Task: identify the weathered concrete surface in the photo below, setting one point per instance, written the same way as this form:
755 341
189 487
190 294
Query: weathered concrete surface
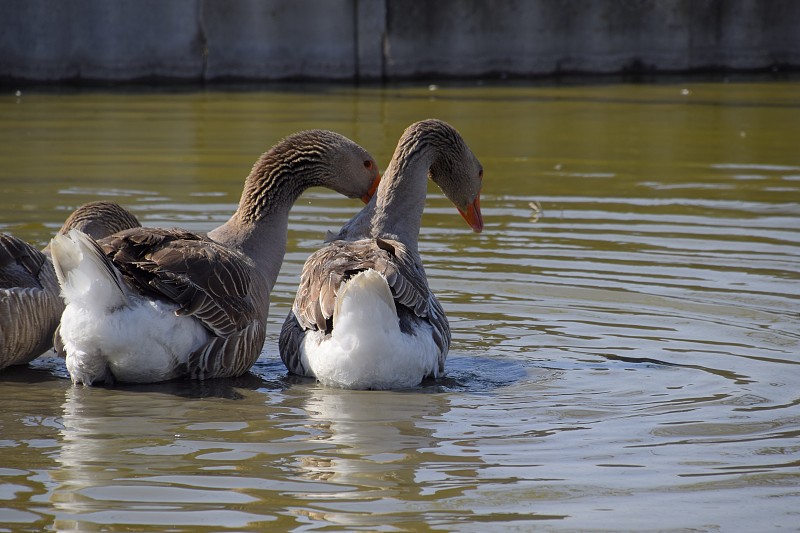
280 39
93 39
455 37
119 40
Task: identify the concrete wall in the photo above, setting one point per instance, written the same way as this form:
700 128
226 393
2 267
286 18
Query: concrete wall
59 40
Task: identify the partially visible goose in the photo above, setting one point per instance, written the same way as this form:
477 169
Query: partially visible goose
364 316
148 305
30 305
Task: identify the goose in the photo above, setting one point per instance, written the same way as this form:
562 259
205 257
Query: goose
149 304
30 304
364 316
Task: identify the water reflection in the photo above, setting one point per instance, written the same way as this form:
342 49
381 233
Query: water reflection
137 453
371 435
29 439
385 450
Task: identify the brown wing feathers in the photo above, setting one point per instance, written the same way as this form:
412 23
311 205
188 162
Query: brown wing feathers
327 268
205 279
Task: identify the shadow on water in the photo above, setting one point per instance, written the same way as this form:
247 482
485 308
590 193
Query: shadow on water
463 374
53 369
39 371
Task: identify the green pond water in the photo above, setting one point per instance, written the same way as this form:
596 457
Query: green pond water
626 330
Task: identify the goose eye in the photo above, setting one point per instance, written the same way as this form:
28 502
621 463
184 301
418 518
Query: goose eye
368 165
480 174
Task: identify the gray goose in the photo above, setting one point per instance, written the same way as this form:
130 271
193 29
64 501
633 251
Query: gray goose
364 316
148 305
30 305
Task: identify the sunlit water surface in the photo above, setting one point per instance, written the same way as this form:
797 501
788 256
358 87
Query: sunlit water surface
625 330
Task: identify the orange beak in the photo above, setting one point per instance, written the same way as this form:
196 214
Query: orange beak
372 189
473 215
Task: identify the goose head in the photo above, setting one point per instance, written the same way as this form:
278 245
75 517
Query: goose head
460 176
306 159
352 171
100 219
457 171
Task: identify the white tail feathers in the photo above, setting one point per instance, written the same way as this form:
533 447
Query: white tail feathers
85 274
367 348
366 292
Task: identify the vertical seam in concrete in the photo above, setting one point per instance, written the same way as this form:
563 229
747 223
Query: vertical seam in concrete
201 28
384 38
370 32
356 48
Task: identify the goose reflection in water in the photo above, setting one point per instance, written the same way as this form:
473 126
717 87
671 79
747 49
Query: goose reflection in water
131 457
379 440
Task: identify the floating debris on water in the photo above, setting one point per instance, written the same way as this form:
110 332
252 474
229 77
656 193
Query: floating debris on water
536 211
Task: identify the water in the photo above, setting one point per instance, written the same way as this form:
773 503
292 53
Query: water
625 331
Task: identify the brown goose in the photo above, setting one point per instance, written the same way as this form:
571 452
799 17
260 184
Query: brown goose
364 316
30 305
148 305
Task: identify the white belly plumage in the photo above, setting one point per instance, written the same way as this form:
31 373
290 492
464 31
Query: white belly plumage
367 349
109 332
143 342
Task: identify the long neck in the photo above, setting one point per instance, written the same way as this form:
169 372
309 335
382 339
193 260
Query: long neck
264 241
401 194
359 226
259 226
